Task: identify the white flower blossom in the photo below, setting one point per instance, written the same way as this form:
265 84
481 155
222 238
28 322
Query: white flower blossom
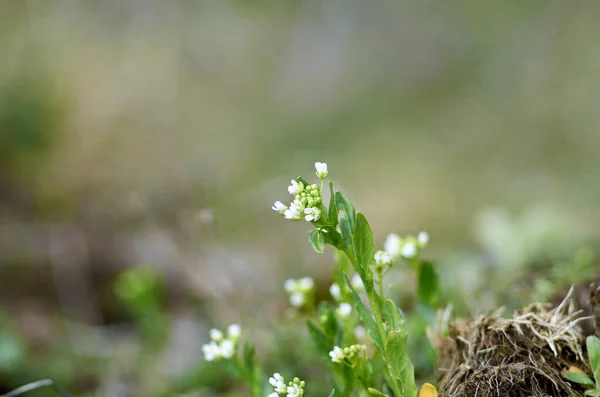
360 331
305 284
295 390
337 354
423 239
294 211
409 250
211 351
227 348
274 394
392 245
216 335
312 214
234 331
279 207
321 170
290 285
297 299
278 383
382 258
357 283
295 187
344 310
335 291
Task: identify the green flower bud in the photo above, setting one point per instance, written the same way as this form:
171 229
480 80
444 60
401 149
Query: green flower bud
315 193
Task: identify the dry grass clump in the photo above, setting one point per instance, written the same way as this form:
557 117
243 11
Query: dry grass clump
520 356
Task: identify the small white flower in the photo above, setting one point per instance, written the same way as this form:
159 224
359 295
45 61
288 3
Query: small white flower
216 335
337 354
227 348
321 170
234 331
344 310
278 383
409 250
335 291
359 332
423 239
290 285
295 187
211 351
297 299
312 214
305 284
294 211
382 258
357 283
279 207
273 394
392 244
295 391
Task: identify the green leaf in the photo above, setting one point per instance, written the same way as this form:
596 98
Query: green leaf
593 349
333 211
252 372
304 182
322 342
330 325
376 393
364 248
317 241
333 237
348 221
365 316
332 393
364 373
428 284
392 316
593 393
399 364
578 377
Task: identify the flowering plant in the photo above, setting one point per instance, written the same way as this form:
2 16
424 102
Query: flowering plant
365 343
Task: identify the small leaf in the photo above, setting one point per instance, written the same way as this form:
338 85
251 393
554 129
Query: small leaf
399 363
365 316
392 316
332 393
304 182
330 325
592 393
348 221
593 349
428 390
322 342
252 371
429 284
317 241
333 210
376 393
364 248
578 377
333 237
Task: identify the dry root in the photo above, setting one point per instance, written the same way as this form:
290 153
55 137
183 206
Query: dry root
520 356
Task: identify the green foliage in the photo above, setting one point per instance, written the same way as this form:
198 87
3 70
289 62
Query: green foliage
428 280
399 363
576 376
317 241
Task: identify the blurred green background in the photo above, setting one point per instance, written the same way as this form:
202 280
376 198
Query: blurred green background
159 134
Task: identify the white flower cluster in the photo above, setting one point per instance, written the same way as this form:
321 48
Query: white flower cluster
294 388
307 199
299 290
221 346
396 247
347 353
336 291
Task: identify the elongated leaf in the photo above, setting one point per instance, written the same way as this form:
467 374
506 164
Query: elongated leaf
304 182
399 364
348 220
333 237
376 393
429 284
392 316
593 348
365 316
593 393
316 240
330 324
579 377
333 210
364 248
332 393
252 371
321 341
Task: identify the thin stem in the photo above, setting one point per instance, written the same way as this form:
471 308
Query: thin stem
380 276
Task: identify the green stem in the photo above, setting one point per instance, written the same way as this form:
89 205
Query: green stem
380 276
374 302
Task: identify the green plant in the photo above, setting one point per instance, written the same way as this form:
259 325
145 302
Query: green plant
365 343
578 376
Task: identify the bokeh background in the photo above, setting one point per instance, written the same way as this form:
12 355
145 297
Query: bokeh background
159 133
